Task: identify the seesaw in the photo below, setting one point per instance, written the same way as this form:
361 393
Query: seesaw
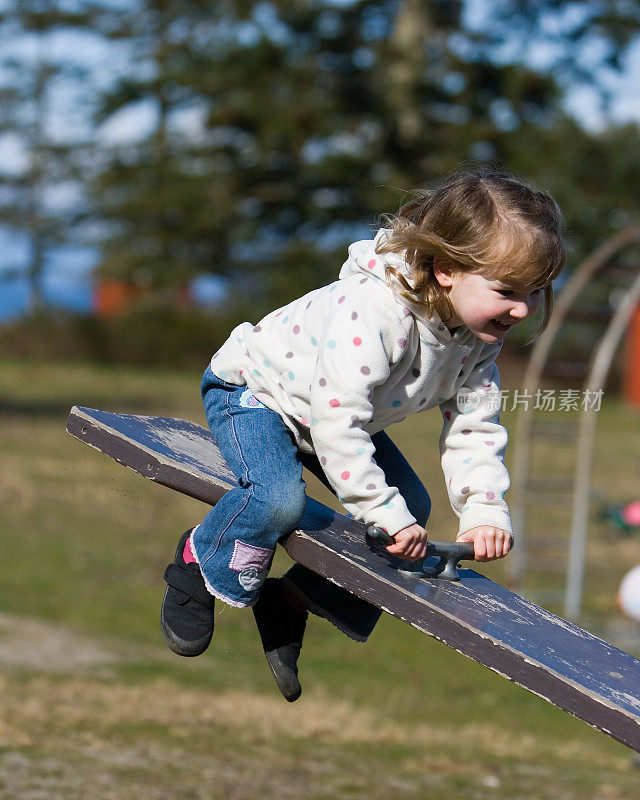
553 658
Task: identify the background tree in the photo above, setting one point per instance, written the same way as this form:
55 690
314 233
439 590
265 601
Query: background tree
156 198
281 129
40 172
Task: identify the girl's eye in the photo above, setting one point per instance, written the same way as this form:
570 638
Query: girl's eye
510 292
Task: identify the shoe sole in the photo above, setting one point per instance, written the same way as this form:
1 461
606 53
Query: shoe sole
182 647
287 682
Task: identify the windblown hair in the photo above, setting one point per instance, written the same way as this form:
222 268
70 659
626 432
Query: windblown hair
482 222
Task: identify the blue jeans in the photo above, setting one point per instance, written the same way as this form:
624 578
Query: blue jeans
236 541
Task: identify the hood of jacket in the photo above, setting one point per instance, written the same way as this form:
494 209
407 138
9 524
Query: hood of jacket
364 258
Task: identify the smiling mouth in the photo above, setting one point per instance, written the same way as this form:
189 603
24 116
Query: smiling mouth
501 326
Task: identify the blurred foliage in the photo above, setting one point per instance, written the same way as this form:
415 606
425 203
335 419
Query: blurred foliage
150 334
593 177
309 119
282 128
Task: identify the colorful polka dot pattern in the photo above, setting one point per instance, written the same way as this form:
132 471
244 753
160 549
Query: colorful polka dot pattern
313 359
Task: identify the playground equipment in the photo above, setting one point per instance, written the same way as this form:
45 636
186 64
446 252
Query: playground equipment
550 657
619 282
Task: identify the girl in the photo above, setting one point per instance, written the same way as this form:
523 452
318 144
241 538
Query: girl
415 320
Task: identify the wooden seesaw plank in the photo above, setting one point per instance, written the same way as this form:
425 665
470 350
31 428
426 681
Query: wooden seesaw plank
545 654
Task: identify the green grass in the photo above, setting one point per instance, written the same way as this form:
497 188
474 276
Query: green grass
85 543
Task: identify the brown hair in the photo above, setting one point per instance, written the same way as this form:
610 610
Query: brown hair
484 222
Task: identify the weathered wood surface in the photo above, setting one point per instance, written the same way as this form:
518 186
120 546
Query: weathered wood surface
550 657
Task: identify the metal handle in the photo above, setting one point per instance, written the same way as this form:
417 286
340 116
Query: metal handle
380 536
449 553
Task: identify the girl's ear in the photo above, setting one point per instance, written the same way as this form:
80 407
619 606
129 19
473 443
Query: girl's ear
443 271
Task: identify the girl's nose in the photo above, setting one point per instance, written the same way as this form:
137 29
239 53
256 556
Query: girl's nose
521 310
524 308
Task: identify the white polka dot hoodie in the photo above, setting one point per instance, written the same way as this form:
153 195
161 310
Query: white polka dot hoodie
349 359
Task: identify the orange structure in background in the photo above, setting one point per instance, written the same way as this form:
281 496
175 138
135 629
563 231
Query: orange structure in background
631 374
112 296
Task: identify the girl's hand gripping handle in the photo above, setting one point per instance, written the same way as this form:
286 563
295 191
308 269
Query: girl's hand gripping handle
449 553
409 544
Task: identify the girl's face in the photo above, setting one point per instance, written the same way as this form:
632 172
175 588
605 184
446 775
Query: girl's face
487 307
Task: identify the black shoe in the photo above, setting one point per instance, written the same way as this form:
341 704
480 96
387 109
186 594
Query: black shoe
281 629
186 619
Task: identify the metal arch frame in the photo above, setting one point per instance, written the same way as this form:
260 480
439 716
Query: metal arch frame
586 435
598 372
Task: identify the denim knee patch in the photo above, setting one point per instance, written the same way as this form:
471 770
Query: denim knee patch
252 563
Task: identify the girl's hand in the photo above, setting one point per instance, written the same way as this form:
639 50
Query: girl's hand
411 543
489 543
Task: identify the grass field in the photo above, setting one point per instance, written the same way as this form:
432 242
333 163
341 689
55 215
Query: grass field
95 707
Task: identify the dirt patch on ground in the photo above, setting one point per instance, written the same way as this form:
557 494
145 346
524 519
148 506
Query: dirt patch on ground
33 644
39 645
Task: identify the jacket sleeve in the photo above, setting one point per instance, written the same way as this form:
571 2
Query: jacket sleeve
361 341
472 447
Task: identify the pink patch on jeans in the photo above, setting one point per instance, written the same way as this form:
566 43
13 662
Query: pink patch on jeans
248 555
